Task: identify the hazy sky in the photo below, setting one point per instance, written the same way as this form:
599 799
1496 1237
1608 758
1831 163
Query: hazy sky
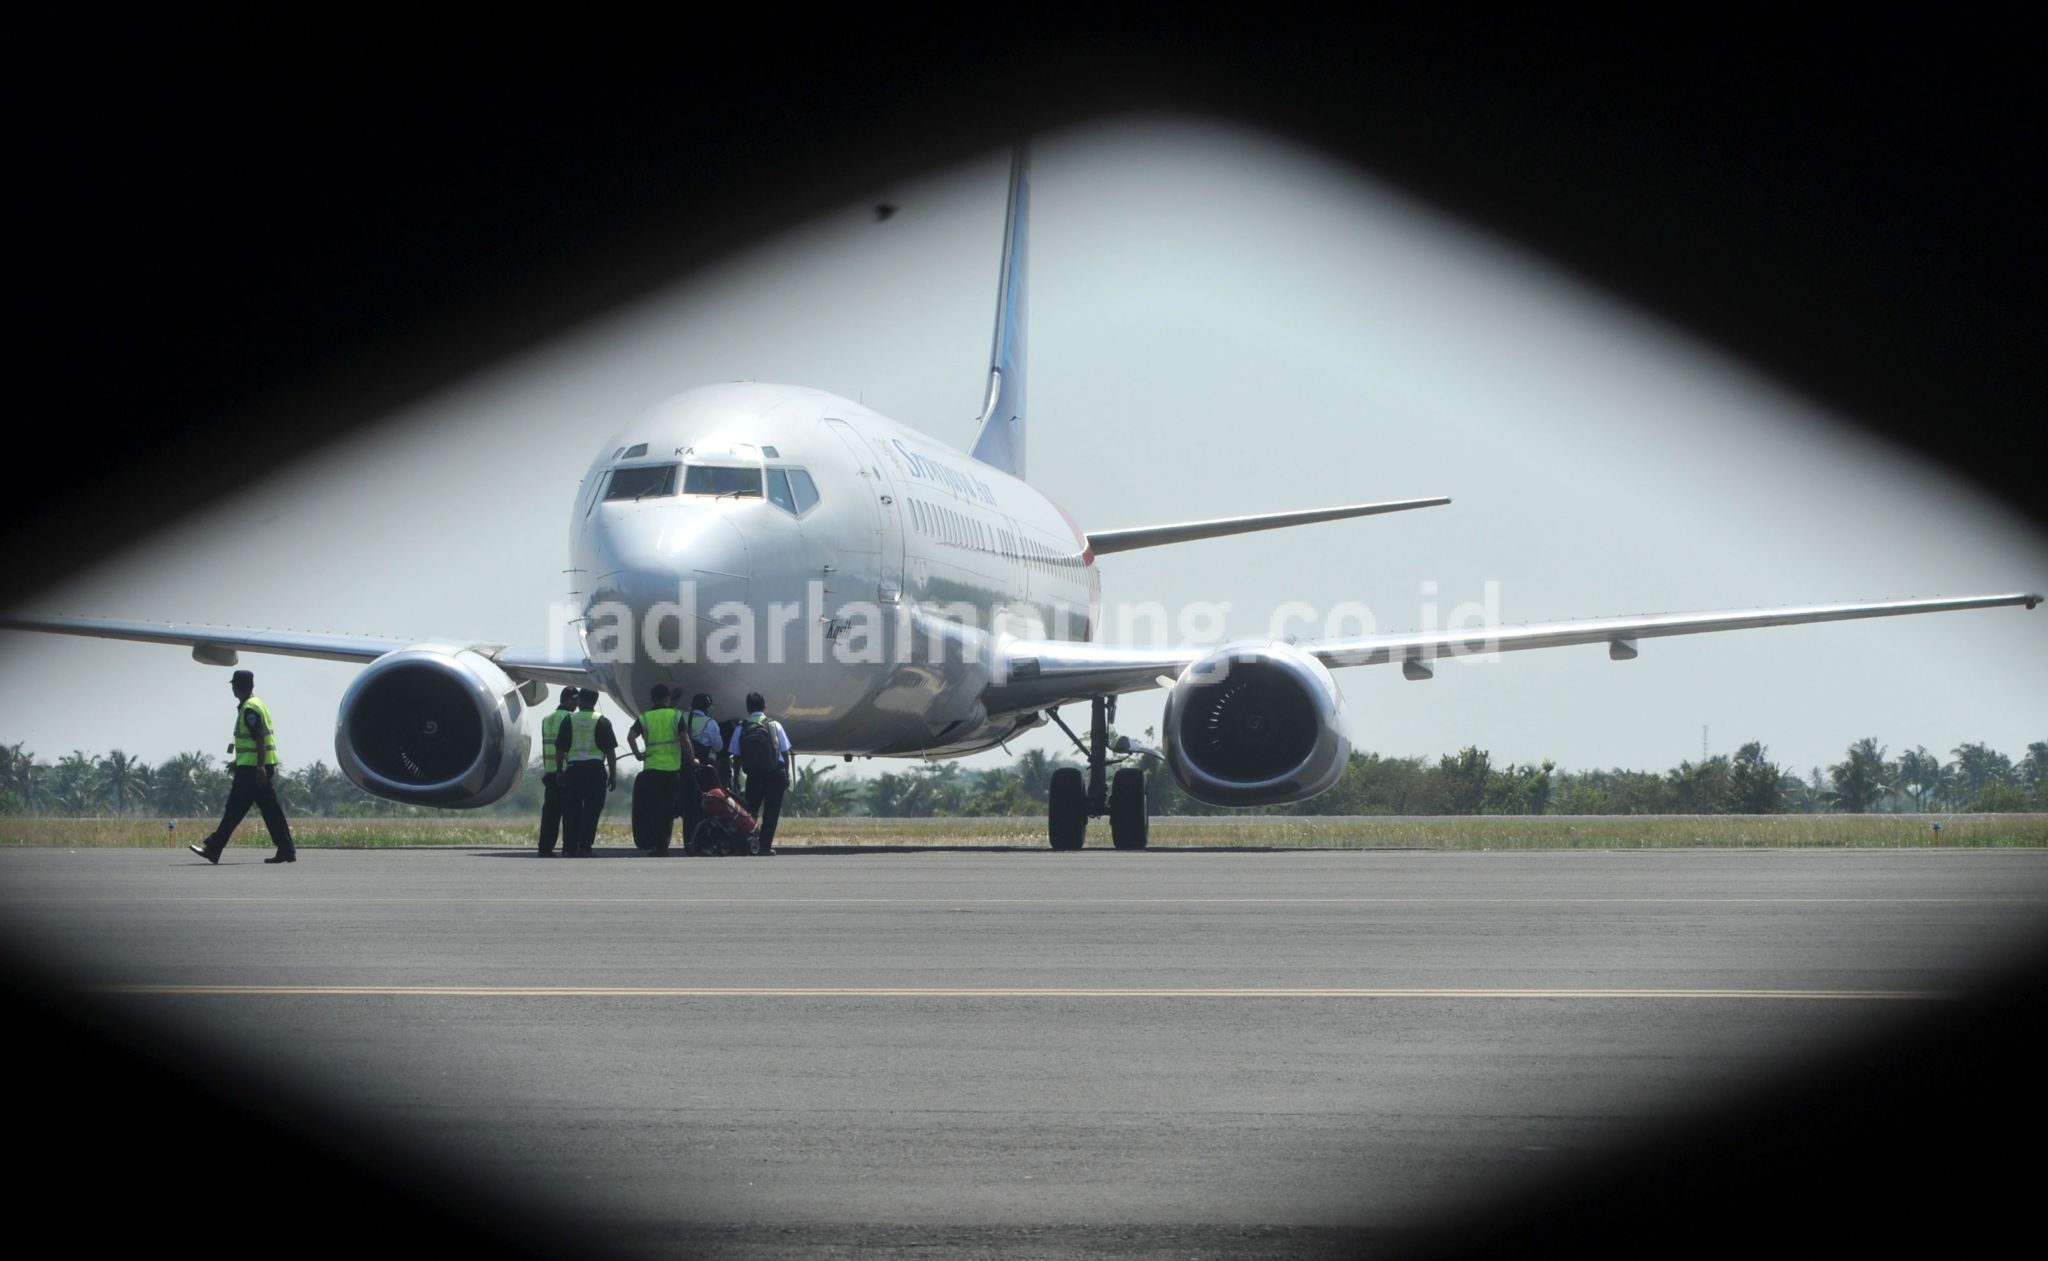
1220 323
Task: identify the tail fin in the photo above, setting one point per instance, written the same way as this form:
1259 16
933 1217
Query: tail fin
1000 441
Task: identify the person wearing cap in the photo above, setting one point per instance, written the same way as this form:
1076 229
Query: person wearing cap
255 776
551 772
663 760
590 750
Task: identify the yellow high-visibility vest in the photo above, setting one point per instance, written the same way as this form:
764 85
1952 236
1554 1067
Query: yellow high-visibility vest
245 744
551 727
583 737
664 746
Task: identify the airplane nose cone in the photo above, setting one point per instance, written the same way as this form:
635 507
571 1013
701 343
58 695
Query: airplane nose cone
650 552
672 568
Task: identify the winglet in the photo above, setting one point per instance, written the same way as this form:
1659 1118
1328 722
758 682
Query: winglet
1000 441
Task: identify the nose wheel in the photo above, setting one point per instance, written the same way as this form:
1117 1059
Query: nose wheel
1071 801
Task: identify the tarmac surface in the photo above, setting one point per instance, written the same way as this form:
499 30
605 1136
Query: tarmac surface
1018 1053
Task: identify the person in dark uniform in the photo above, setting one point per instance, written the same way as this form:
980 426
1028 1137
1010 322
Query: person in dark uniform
255 777
708 743
590 750
551 772
761 748
663 759
705 749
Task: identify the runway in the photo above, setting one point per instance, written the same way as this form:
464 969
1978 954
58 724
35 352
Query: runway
1098 1053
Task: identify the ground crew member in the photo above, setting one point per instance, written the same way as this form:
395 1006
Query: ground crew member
255 753
659 784
761 748
706 750
590 750
551 772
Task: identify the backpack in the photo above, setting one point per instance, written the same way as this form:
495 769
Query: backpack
757 750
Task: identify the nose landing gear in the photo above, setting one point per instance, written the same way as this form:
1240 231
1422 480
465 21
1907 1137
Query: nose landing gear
1072 803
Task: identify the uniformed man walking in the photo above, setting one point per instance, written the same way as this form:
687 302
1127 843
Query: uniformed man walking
255 753
761 748
590 750
659 784
551 764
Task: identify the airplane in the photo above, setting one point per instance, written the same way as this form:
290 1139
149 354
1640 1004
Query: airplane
889 596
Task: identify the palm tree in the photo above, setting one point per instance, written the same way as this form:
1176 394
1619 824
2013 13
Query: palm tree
2034 771
314 788
122 780
321 788
72 790
1859 782
1947 792
1979 767
2033 767
1917 773
23 780
1754 785
178 787
884 795
1034 772
812 797
944 785
16 766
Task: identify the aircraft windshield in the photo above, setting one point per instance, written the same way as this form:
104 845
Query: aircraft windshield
639 483
806 490
713 479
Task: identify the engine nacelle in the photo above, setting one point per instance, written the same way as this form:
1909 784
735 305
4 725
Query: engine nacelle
432 725
1254 725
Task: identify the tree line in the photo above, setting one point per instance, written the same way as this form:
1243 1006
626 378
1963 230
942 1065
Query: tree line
1974 778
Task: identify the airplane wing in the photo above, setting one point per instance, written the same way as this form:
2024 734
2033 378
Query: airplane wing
1103 542
1621 634
1045 672
219 645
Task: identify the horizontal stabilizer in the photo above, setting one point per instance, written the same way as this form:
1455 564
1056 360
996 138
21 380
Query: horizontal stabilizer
1103 542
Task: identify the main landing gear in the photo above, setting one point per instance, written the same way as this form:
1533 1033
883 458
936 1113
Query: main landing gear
1073 801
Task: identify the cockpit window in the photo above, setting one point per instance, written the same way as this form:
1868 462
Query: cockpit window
778 490
641 482
638 448
806 491
713 479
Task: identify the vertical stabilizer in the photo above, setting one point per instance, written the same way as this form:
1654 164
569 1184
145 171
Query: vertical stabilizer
1000 441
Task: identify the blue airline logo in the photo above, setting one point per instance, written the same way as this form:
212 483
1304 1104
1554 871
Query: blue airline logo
961 484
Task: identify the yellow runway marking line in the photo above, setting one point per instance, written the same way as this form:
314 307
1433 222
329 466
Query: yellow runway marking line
1040 992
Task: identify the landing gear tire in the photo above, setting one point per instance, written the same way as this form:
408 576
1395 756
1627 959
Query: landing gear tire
1129 826
1067 809
644 808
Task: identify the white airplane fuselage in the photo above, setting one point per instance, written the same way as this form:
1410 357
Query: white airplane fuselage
727 580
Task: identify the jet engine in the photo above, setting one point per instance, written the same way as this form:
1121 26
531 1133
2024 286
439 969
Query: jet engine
432 725
1255 724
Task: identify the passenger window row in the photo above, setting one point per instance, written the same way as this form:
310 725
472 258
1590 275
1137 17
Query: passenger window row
961 530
